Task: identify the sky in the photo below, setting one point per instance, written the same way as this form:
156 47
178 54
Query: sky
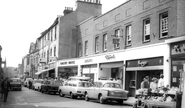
22 21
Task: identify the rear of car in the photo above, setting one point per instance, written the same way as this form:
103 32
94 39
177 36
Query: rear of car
15 84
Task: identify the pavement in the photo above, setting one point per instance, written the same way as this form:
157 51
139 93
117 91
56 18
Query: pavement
130 101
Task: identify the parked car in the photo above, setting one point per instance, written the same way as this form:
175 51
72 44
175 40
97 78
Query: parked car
37 84
50 86
105 90
74 88
15 84
33 82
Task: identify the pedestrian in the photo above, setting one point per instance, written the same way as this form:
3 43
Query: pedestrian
153 84
161 81
145 83
30 84
5 88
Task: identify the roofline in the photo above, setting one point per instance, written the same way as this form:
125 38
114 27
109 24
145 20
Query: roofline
113 9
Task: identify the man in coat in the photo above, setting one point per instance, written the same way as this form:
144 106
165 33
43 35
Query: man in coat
5 88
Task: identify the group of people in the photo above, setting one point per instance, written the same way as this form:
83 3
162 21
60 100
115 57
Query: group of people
5 88
154 85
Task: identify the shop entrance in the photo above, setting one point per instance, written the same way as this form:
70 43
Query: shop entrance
115 73
134 78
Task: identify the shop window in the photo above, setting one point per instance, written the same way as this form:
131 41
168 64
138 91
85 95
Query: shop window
164 25
146 30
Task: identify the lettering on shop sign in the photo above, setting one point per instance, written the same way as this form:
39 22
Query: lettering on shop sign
88 61
111 56
63 63
142 63
71 62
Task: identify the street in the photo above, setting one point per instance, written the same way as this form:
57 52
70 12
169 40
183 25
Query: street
34 99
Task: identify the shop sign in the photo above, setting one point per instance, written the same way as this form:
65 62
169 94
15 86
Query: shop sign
110 56
142 63
88 61
178 48
52 65
45 67
157 61
69 62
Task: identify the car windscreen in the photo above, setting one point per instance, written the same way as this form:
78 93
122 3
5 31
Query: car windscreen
111 85
15 80
84 84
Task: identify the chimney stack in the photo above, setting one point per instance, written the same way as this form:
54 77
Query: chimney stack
68 10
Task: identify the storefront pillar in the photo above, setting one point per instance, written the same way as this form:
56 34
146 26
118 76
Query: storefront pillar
167 66
56 70
79 73
124 77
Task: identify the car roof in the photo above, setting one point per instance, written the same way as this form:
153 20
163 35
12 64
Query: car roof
106 81
79 78
15 78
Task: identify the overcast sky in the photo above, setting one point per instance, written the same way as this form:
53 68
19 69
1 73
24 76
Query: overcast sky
22 21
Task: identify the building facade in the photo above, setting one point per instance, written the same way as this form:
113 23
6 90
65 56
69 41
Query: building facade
136 39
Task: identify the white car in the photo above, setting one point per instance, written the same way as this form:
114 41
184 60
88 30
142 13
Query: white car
37 84
106 90
74 88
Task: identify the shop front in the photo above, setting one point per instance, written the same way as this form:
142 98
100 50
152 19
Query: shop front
178 67
111 70
46 71
136 70
67 69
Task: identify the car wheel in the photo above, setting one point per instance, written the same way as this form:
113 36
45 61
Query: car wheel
48 92
61 93
120 102
102 101
71 96
86 97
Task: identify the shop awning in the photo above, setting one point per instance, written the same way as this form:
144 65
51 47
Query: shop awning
39 72
111 65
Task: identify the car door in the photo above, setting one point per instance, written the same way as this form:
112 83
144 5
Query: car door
97 90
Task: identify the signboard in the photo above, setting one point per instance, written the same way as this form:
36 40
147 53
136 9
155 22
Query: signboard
110 56
67 62
42 60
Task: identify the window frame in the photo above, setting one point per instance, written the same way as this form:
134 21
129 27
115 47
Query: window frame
117 35
128 31
145 30
97 44
105 42
86 48
166 20
79 49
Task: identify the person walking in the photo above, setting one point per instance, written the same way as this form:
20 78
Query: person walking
5 88
161 81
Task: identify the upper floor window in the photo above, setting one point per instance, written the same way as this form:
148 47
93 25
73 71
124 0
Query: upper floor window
51 52
55 32
48 36
97 44
55 51
163 25
117 38
79 49
128 35
51 34
105 42
86 48
146 30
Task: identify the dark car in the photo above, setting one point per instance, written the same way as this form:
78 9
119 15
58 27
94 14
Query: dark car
15 84
50 86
